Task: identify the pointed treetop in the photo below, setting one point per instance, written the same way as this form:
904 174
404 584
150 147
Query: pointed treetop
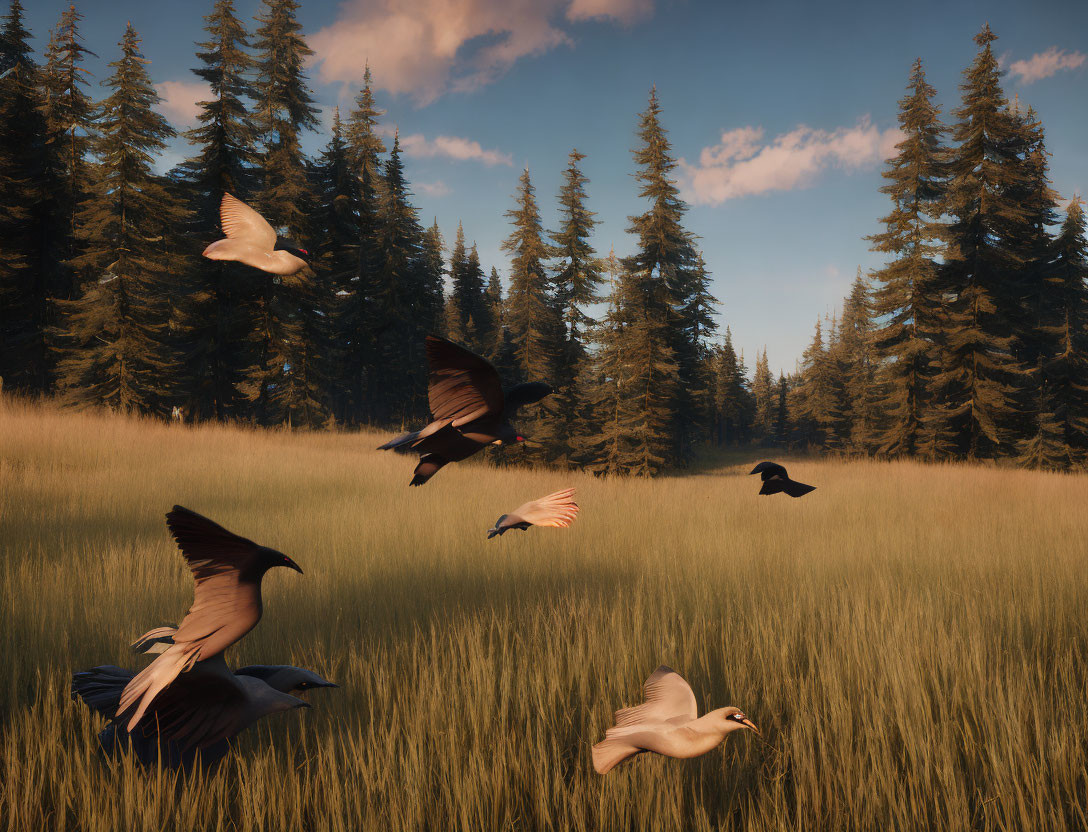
985 37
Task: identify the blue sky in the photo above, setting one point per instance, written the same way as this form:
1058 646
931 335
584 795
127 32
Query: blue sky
781 112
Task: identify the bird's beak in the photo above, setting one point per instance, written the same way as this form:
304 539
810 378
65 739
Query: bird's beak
750 724
329 685
491 533
290 564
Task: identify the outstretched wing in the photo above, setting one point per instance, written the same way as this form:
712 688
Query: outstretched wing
668 698
558 510
462 386
240 222
225 606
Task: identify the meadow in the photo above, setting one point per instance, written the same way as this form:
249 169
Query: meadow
909 638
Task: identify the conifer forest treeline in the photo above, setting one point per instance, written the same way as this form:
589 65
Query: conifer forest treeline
971 342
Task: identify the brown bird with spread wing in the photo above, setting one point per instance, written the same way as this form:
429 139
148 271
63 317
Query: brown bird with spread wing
667 723
469 409
557 510
228 570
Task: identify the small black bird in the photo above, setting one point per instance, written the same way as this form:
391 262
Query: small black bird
469 410
775 479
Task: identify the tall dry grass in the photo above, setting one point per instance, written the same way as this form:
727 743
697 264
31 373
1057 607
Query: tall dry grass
910 639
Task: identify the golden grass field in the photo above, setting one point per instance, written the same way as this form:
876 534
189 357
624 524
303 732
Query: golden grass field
910 639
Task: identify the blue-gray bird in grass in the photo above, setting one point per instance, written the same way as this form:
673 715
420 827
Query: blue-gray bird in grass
209 694
776 480
251 240
469 409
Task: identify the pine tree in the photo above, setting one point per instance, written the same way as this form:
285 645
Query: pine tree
282 383
530 307
576 281
860 402
69 113
468 296
766 399
398 377
430 305
907 298
28 227
1066 371
122 352
218 316
816 401
979 375
734 405
1044 447
782 427
336 265
672 292
362 319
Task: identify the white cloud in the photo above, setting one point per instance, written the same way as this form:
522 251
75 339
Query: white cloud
622 11
743 164
433 189
181 100
1044 64
452 147
426 48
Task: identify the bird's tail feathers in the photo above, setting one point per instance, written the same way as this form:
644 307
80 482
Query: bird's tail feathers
155 641
797 489
609 753
100 688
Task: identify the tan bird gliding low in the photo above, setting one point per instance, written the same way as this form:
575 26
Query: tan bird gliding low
667 723
558 510
228 570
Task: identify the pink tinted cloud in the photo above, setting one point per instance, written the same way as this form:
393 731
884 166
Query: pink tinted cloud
1044 64
452 147
622 11
180 100
425 48
742 163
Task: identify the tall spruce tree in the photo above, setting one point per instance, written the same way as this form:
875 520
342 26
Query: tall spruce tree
734 407
336 263
860 389
469 303
766 399
981 275
398 378
433 273
28 229
69 113
1065 372
218 316
576 282
782 428
122 352
671 295
908 298
531 314
281 382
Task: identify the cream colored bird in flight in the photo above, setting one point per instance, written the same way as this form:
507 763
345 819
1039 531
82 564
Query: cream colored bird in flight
558 510
251 240
667 723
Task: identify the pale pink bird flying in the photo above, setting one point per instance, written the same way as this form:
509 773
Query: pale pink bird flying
558 510
251 240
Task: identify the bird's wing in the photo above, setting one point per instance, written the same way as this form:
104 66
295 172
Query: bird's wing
240 222
225 607
201 707
558 509
462 386
529 392
668 698
217 559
